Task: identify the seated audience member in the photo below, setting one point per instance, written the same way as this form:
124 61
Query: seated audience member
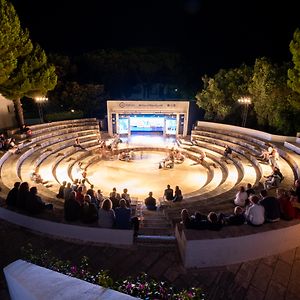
91 192
25 129
100 197
186 220
61 190
168 193
274 179
271 205
264 156
237 218
214 221
202 156
227 153
131 155
77 144
287 211
124 219
126 196
273 158
23 194
2 141
89 212
150 202
255 213
67 191
294 199
241 197
79 196
35 177
34 203
106 215
177 195
11 146
121 156
297 188
83 186
196 221
249 190
115 198
179 157
75 185
72 209
12 196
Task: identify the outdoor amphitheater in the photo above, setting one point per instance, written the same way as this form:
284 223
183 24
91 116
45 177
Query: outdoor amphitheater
210 186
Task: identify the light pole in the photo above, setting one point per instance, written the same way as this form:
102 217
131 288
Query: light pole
245 101
40 101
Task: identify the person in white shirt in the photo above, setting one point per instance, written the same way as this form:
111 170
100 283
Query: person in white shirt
241 197
255 213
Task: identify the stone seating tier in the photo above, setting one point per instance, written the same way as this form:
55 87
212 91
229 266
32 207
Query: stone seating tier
37 127
290 173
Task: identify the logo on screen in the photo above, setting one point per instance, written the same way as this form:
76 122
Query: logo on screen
122 104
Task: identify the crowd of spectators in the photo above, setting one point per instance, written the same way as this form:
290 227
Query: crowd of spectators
25 198
90 206
251 208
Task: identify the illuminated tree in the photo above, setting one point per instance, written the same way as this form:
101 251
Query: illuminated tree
294 73
219 95
14 42
33 76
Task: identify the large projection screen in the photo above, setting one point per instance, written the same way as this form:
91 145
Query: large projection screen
147 123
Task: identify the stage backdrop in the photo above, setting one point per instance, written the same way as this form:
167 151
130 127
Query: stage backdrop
164 117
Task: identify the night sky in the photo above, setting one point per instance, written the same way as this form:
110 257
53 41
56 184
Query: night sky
212 34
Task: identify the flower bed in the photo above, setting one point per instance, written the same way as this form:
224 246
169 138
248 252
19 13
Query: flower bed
141 286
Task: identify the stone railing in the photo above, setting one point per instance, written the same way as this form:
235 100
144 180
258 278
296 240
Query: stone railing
27 281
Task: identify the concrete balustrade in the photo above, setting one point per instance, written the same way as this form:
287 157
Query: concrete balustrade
75 233
27 281
198 251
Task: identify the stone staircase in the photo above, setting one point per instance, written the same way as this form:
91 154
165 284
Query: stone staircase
154 226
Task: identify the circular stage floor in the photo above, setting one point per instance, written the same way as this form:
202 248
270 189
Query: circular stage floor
143 175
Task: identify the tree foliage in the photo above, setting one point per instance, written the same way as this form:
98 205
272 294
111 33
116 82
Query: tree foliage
219 95
90 98
32 77
271 96
14 41
294 73
24 70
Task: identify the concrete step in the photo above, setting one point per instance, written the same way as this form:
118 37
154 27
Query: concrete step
161 239
156 231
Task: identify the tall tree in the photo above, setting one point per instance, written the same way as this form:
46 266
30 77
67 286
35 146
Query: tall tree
33 76
219 95
272 97
294 73
14 41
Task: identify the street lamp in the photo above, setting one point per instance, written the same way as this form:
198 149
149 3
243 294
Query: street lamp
245 101
40 101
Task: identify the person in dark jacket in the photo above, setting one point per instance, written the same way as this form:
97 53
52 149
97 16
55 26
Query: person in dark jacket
89 210
237 218
12 196
271 205
23 194
72 208
34 203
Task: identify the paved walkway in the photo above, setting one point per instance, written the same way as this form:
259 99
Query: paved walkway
276 277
